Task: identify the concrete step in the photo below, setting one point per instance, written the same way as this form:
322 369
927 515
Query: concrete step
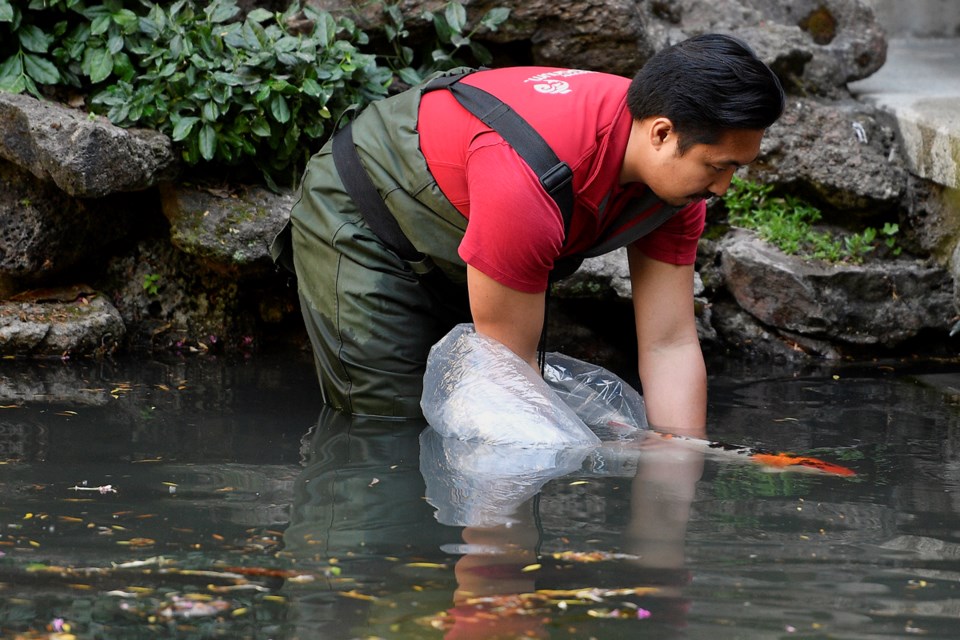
920 86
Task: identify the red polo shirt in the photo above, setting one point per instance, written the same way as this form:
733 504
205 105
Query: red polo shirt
515 230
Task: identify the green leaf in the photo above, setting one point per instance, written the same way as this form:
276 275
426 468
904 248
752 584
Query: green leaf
41 70
222 11
126 20
11 74
456 16
229 79
100 24
312 88
495 17
259 15
208 142
280 108
97 64
183 126
210 111
409 76
260 127
6 12
33 39
115 44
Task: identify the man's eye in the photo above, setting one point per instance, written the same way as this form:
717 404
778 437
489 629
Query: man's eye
719 169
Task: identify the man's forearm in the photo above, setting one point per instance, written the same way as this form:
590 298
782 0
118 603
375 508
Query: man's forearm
674 383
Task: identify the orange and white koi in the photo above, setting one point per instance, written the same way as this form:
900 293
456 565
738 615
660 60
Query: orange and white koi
772 460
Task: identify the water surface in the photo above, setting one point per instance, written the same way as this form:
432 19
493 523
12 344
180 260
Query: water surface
203 497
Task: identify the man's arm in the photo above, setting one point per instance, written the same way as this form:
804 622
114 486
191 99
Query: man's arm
512 317
671 365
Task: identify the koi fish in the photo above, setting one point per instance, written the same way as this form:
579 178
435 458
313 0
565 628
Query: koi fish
772 460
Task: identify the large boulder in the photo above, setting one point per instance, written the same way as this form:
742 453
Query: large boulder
44 232
227 229
84 156
816 46
842 154
882 303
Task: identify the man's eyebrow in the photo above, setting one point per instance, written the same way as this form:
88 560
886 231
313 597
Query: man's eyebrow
736 163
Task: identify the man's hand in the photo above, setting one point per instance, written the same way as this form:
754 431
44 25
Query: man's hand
511 317
671 365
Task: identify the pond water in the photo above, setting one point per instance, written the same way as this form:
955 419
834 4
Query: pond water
204 497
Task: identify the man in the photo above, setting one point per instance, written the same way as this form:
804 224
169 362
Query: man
643 155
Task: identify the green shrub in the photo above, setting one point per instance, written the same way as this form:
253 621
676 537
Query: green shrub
227 89
788 223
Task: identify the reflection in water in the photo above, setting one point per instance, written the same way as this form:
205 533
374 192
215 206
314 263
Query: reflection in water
357 502
223 525
363 502
506 582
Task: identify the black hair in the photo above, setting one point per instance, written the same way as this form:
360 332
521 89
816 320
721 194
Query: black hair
706 85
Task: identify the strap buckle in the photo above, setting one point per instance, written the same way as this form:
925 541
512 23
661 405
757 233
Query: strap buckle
556 177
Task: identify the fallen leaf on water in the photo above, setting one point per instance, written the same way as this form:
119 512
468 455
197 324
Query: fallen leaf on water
356 595
426 565
138 542
532 567
592 556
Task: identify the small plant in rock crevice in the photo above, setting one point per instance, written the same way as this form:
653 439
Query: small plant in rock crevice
788 223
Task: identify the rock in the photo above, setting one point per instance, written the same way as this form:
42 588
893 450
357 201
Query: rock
815 46
226 229
841 154
85 157
598 277
881 303
169 300
44 232
609 35
88 325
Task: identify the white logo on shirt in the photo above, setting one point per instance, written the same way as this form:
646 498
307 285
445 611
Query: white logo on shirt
547 82
553 86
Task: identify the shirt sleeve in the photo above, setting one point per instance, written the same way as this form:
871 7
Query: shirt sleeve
675 241
515 230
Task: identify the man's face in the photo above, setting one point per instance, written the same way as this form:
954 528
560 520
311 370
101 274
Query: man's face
702 171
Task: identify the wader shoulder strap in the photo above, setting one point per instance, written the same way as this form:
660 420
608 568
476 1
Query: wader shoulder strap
371 206
615 238
555 176
565 267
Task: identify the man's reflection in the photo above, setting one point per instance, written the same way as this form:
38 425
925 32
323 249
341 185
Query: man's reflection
360 502
493 493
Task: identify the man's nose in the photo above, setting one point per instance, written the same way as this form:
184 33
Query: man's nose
719 186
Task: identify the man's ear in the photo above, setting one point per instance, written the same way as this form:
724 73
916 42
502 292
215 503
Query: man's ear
660 130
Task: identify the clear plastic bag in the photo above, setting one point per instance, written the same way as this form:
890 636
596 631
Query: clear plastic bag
473 484
476 389
601 399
